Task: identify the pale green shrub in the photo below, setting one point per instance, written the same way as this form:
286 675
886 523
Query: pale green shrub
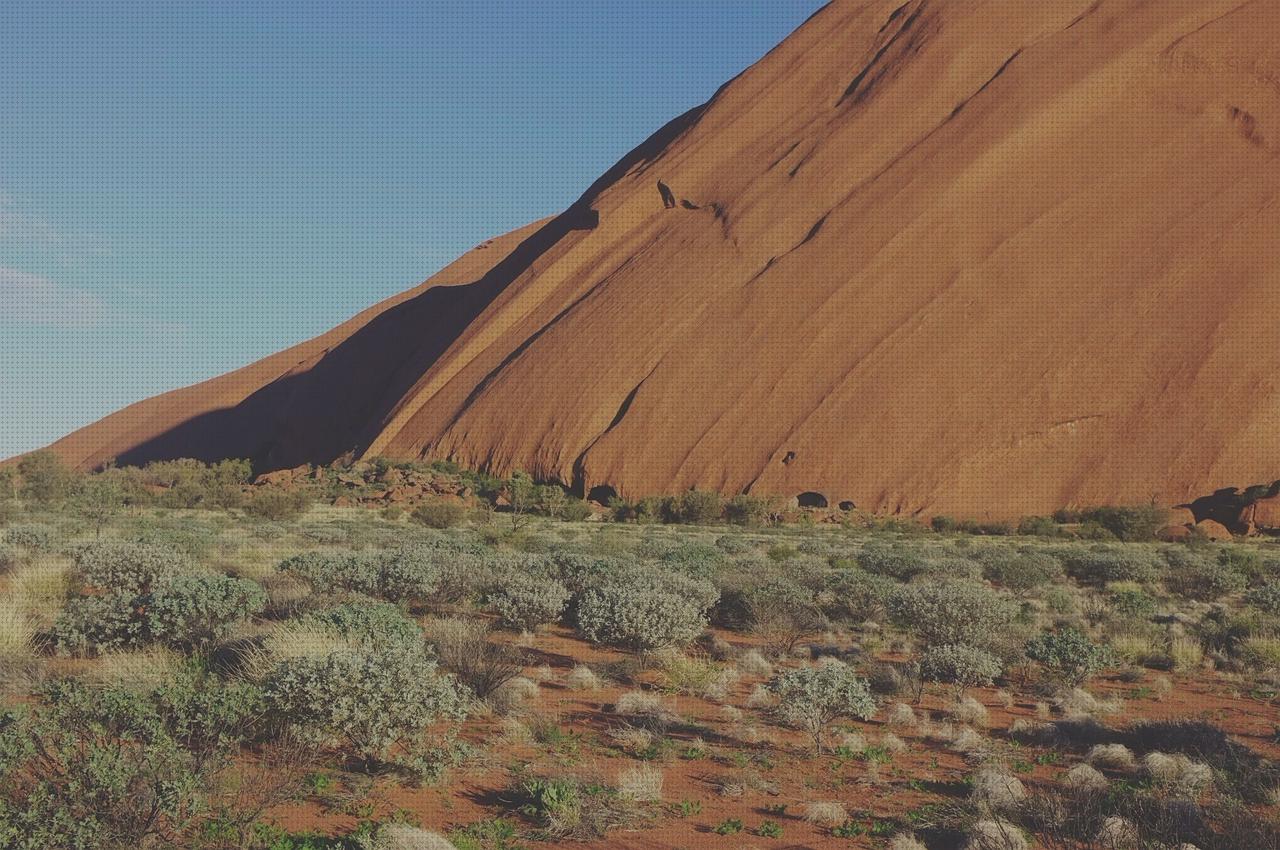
525 602
813 697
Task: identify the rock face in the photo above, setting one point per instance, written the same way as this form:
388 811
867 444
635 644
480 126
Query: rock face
977 257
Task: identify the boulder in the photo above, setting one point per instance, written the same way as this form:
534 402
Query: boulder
1180 516
1213 530
283 476
1264 515
1174 533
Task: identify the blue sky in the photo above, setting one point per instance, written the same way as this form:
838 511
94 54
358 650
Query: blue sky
186 187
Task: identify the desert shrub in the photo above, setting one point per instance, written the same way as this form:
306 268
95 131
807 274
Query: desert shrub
196 610
465 650
526 602
692 507
900 562
1198 576
276 504
854 596
411 572
1018 570
566 807
813 697
368 700
1069 655
97 624
783 613
332 571
952 613
45 478
108 767
368 623
745 509
963 666
1131 602
440 513
33 536
10 557
575 510
1102 565
187 610
128 567
1248 562
1265 598
645 610
1128 523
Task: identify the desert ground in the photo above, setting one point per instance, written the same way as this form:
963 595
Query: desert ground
191 660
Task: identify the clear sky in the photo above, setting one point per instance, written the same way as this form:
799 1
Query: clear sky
188 186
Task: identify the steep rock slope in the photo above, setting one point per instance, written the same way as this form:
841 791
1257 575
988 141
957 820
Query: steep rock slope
985 257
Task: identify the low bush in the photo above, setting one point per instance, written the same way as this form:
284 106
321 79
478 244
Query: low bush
369 701
196 610
525 602
440 513
331 571
645 610
464 649
1019 571
692 507
367 623
952 613
1201 577
1102 565
33 536
962 666
276 504
10 557
107 767
1266 598
128 567
1129 523
188 611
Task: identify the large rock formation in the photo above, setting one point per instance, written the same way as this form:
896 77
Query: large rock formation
981 258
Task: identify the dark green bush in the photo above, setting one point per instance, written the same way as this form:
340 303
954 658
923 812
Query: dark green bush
692 507
109 768
33 536
1102 564
1129 523
440 513
277 504
1202 577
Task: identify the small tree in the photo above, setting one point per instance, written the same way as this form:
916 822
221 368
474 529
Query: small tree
45 478
97 500
522 494
1069 655
813 697
552 500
